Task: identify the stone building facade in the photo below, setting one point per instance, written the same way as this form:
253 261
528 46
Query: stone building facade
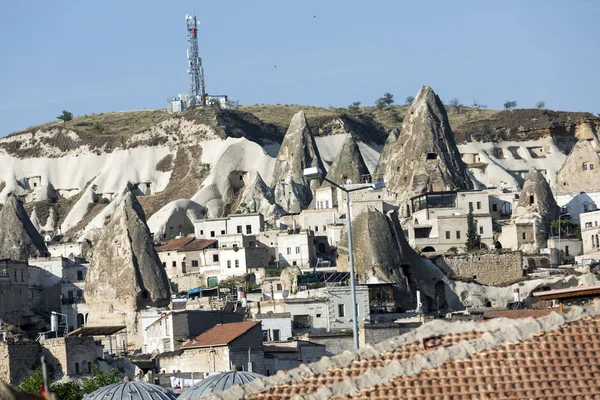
18 359
73 356
487 268
15 296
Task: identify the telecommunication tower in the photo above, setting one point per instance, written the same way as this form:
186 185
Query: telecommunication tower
197 90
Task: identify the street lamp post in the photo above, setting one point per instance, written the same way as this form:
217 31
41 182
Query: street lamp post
317 173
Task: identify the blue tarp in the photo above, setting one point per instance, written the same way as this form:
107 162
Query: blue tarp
195 291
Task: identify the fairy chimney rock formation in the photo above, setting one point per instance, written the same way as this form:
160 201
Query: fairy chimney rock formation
424 157
258 198
298 151
125 274
348 163
536 197
19 239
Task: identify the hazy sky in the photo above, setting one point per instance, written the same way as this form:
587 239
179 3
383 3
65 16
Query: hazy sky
110 55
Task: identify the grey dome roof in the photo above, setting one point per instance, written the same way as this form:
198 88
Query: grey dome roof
218 383
131 391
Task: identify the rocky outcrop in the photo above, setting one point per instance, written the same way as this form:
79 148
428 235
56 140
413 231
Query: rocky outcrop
125 274
175 219
258 198
19 239
424 157
348 164
387 150
536 197
377 256
298 151
581 170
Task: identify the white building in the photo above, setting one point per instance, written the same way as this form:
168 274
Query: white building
245 224
275 326
590 234
439 220
296 249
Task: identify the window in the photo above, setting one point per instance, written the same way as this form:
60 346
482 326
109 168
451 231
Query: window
316 228
447 234
301 321
341 310
239 229
431 156
222 231
22 276
248 229
294 263
228 263
595 223
588 224
324 228
297 249
79 275
481 230
279 287
326 203
77 368
174 264
164 264
591 167
479 205
265 334
237 263
531 198
201 232
79 293
458 234
318 315
194 263
183 266
289 251
494 207
524 235
212 233
470 205
16 279
567 251
585 167
215 258
276 335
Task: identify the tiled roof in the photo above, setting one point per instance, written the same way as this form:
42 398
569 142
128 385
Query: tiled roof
221 334
556 356
185 244
517 313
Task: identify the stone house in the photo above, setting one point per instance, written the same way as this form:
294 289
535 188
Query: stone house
218 349
491 268
275 326
73 356
590 234
296 249
285 355
173 329
245 224
15 295
17 359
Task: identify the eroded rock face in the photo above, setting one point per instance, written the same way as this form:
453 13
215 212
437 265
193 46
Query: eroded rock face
19 239
424 157
581 170
349 162
536 197
125 273
298 151
377 256
258 198
387 150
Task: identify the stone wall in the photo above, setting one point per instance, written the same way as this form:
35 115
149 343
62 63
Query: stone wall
488 268
18 360
71 355
375 333
205 360
334 342
182 283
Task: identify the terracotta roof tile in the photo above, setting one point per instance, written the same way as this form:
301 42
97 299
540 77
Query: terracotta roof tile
553 357
517 313
221 334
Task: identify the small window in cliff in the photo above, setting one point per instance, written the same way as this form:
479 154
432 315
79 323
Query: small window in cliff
432 156
531 199
145 294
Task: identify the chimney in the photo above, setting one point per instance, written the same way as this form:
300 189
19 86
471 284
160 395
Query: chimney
517 295
250 359
419 305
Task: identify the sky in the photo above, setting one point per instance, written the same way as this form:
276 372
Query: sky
111 55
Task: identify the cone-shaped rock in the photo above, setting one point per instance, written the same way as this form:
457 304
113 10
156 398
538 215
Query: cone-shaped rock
424 157
259 198
349 163
536 197
19 239
298 151
376 253
125 272
387 149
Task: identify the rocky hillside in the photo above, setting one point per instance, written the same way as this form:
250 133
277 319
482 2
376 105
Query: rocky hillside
72 176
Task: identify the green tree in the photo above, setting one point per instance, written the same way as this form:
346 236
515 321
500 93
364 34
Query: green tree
540 105
71 390
473 239
409 100
354 108
33 383
509 105
99 379
567 228
455 103
98 127
385 101
65 117
478 106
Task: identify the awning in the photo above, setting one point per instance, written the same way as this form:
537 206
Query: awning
96 330
200 289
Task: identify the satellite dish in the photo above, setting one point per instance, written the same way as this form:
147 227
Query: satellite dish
286 294
47 238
